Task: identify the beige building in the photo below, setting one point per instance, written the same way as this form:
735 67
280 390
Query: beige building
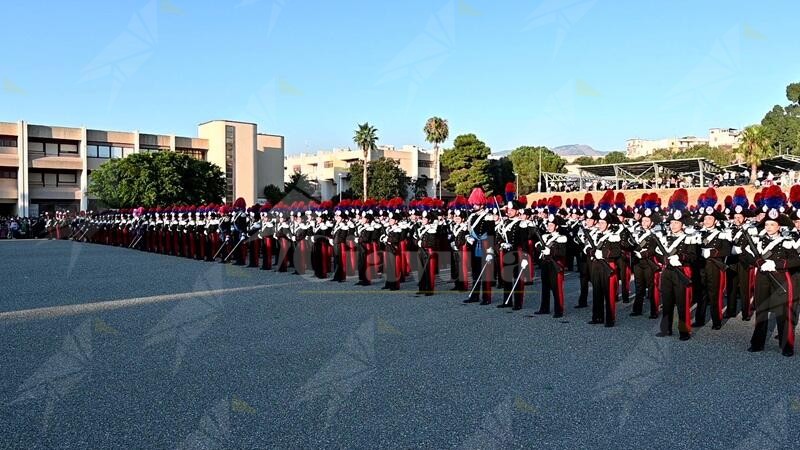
328 170
44 168
718 137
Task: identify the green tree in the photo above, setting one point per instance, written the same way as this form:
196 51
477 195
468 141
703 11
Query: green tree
436 132
365 137
526 164
386 179
420 187
468 165
273 193
755 147
154 179
501 171
615 158
584 161
298 182
782 123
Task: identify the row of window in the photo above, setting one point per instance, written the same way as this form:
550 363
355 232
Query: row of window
53 179
8 172
193 152
108 151
8 141
53 148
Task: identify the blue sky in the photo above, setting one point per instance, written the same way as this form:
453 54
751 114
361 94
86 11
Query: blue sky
514 73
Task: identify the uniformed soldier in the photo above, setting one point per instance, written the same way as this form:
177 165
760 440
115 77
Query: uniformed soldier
427 242
552 250
739 292
714 248
480 239
646 269
513 237
678 253
774 256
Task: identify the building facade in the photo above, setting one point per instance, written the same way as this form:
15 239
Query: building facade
44 168
717 137
329 171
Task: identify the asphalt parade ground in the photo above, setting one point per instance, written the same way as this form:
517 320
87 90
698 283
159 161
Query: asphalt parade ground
106 347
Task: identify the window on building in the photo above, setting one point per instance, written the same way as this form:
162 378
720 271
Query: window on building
195 153
104 151
51 149
67 179
8 141
116 152
50 178
230 161
328 164
36 178
425 163
8 172
35 147
91 151
68 149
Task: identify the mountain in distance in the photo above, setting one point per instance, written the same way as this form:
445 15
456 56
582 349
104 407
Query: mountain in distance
577 150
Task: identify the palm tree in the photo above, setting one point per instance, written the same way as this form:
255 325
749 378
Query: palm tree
366 136
755 147
436 132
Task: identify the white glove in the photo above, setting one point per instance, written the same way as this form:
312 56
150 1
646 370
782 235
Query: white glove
675 261
505 246
752 231
546 251
598 254
524 263
706 253
454 246
355 240
489 257
736 250
768 266
471 240
294 238
638 254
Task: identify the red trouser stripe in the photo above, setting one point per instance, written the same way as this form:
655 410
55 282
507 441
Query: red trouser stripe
268 252
687 304
612 292
432 264
751 290
560 290
789 314
657 287
464 275
720 292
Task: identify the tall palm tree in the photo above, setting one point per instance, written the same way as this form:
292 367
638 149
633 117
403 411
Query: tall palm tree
366 136
755 147
436 132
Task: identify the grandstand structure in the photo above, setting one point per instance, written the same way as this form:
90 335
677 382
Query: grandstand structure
642 173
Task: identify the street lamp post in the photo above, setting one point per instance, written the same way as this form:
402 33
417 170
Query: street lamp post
340 188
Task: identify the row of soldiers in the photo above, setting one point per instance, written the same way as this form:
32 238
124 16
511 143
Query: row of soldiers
721 259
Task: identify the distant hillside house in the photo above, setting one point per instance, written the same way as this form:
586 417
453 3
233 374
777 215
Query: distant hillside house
718 137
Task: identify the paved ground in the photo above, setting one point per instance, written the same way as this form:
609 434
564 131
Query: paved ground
163 352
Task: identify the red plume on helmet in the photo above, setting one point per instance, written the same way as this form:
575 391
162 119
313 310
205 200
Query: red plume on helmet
679 200
619 200
524 200
588 200
510 191
794 196
554 204
607 200
477 197
240 203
